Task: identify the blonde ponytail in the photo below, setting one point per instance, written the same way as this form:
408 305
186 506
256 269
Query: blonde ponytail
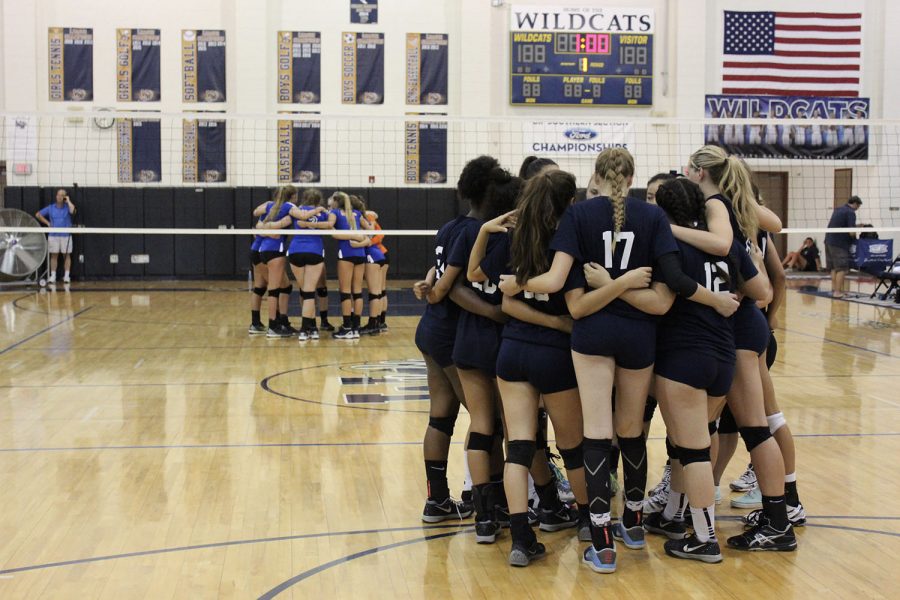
734 181
277 203
344 199
615 166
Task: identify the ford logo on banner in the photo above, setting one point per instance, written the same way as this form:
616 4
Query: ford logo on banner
580 133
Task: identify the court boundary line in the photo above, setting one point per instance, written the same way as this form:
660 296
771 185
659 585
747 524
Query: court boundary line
44 330
343 444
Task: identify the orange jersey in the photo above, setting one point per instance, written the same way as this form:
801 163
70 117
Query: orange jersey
376 239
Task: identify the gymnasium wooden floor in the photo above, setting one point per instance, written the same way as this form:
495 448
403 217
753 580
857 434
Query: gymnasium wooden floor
150 449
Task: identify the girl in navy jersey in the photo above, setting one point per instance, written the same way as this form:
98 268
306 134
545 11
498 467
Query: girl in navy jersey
272 253
534 359
695 360
491 191
306 255
614 335
435 336
726 183
351 261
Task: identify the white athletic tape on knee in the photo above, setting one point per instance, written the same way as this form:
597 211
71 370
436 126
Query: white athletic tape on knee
776 422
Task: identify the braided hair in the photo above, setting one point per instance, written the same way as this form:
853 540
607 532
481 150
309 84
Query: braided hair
615 166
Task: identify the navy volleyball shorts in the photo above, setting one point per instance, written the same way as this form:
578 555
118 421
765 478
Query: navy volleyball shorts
548 368
697 370
631 342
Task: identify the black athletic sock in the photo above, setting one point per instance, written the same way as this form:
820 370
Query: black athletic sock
254 317
634 469
614 454
436 474
273 324
584 513
308 323
499 491
354 319
348 322
790 493
482 496
775 509
323 316
520 529
549 496
596 472
383 317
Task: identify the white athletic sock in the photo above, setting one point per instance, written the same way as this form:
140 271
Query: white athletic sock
67 274
790 477
674 506
467 482
704 522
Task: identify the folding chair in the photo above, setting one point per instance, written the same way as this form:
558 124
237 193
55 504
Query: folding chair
890 279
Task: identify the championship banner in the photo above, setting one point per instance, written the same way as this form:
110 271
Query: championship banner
803 140
577 137
203 151
203 65
137 65
364 11
362 68
426 68
426 152
299 67
138 150
299 151
71 64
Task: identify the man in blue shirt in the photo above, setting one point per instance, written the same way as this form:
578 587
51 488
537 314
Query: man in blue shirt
59 214
837 245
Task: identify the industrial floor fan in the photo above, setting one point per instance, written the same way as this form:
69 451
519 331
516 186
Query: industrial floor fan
23 252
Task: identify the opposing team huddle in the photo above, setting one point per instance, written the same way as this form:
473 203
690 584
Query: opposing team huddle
359 257
595 311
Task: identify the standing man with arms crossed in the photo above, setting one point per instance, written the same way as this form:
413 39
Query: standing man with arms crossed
59 214
837 245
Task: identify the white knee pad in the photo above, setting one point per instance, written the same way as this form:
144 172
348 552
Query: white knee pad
776 422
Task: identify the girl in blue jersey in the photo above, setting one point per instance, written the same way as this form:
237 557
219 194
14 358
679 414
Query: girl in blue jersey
491 191
534 359
272 251
734 214
375 261
615 340
306 254
259 288
435 336
695 360
351 263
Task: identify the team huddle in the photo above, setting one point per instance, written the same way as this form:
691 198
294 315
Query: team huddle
593 313
360 257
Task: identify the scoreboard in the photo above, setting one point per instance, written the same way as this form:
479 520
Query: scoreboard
580 68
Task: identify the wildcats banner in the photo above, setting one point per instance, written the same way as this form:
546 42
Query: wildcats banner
299 151
137 65
71 63
299 67
804 139
577 137
426 68
362 68
582 19
138 150
203 65
364 11
203 151
426 152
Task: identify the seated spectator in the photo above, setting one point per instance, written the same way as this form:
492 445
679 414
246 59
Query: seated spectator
804 259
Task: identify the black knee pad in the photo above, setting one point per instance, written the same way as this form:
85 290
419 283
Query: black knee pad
521 452
480 441
671 450
287 289
307 295
713 428
371 296
604 445
754 436
727 424
322 292
649 409
346 296
274 293
573 458
693 455
259 291
443 424
771 351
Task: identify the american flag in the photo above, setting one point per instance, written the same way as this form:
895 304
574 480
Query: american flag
792 53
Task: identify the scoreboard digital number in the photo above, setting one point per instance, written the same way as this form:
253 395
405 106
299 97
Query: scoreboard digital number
552 65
